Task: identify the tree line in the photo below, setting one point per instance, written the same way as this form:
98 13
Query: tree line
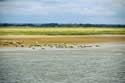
62 25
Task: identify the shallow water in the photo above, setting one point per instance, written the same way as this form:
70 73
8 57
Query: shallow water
104 64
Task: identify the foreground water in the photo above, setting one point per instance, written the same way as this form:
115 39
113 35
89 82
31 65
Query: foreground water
104 64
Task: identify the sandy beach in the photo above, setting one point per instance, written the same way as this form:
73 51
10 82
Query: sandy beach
27 41
62 59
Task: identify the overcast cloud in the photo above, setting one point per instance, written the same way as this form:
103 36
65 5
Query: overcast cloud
62 11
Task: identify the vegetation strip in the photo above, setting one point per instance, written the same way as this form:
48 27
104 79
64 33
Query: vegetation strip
61 31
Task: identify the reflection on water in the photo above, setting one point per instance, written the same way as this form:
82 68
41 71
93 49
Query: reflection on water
96 65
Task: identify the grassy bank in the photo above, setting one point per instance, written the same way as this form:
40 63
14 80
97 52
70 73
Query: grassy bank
60 31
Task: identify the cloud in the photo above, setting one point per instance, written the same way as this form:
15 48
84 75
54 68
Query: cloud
63 8
76 6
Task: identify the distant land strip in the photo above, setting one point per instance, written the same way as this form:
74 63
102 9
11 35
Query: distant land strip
62 25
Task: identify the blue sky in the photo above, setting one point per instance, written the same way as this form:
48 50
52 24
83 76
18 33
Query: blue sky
63 11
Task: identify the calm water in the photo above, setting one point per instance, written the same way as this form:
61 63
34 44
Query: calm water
104 64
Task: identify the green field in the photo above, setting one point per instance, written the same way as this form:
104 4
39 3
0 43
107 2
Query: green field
61 31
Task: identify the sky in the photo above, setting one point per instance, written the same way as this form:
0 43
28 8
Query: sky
63 11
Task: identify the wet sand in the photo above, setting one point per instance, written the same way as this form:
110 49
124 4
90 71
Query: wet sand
104 64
